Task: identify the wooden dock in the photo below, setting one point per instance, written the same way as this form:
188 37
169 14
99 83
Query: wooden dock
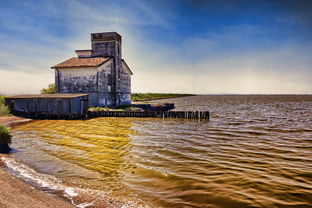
76 106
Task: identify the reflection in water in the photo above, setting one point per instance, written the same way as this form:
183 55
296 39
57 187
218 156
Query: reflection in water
88 154
255 152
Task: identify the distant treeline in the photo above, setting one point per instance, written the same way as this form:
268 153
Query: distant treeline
156 96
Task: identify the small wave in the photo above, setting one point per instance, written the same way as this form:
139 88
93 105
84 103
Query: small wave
249 132
79 197
42 181
86 204
70 192
280 130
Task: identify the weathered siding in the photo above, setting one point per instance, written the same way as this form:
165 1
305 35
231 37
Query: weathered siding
49 105
94 81
124 87
124 81
109 44
106 49
105 77
77 80
123 98
100 99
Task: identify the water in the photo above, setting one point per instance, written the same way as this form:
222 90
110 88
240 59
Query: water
256 151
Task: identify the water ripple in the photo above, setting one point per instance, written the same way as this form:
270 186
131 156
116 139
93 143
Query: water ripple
256 151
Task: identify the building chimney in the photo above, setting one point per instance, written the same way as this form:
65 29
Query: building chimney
83 53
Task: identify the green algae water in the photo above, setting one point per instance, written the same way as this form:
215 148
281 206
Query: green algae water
256 151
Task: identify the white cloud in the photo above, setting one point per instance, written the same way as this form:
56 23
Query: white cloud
13 82
280 71
196 65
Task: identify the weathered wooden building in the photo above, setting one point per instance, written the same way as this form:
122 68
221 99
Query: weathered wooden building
100 72
96 77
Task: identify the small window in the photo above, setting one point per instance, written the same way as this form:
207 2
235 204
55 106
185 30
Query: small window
109 77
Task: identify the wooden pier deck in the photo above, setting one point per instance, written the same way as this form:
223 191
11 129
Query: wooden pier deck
75 106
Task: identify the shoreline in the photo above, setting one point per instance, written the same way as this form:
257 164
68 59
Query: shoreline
15 193
9 121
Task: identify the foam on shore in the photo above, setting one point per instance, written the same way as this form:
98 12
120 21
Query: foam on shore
79 197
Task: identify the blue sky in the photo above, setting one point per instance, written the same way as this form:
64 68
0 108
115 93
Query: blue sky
191 46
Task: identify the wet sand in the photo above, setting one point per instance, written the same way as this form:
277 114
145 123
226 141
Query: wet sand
9 121
14 193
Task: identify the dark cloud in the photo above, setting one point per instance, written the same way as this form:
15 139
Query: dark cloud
299 11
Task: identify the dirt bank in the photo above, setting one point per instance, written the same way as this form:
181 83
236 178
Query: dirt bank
9 121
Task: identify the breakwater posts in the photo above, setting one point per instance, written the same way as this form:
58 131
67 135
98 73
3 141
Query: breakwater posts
45 115
200 115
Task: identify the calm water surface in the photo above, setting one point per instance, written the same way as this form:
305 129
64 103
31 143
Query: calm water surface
256 151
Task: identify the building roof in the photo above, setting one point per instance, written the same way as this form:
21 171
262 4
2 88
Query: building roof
127 67
81 62
45 96
83 50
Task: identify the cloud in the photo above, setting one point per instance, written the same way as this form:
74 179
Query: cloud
280 70
234 58
223 76
23 82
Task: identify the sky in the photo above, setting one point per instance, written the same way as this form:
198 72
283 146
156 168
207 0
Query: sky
176 46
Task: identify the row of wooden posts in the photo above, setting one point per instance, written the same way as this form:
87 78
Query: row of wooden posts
199 115
202 115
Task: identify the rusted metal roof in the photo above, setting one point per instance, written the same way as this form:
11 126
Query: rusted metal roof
45 96
81 62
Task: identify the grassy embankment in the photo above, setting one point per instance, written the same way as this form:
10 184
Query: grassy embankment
115 108
4 110
155 96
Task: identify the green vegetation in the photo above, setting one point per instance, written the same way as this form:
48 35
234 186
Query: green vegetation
114 108
96 109
49 90
5 136
4 110
155 96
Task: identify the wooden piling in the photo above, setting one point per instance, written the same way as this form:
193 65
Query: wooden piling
195 115
199 115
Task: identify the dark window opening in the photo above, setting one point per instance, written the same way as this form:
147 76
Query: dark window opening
109 77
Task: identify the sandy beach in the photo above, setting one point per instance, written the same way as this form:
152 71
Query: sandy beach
17 194
14 193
